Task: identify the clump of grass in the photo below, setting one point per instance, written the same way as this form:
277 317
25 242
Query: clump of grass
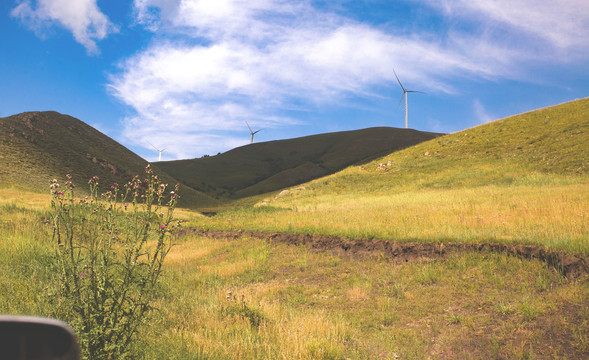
504 308
237 306
528 310
454 319
427 275
398 290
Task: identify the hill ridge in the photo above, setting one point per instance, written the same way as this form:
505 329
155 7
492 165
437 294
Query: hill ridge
268 166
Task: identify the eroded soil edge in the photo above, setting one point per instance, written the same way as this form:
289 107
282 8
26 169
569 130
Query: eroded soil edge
567 264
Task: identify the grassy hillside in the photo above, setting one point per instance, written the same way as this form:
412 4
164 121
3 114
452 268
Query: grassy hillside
522 179
36 147
522 148
263 167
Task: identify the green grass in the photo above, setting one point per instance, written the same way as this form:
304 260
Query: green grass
519 180
551 216
289 302
305 305
26 261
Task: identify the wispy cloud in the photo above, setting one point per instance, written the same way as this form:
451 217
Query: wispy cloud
481 114
234 60
82 17
547 28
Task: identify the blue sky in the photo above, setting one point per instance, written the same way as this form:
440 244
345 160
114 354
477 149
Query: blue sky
185 75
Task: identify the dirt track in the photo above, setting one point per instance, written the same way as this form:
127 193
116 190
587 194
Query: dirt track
567 264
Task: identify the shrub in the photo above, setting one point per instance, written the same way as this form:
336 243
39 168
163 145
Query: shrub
110 251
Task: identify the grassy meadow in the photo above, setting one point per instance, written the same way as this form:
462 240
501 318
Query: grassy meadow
248 298
554 216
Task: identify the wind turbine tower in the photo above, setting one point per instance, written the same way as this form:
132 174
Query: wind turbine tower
158 150
252 133
405 92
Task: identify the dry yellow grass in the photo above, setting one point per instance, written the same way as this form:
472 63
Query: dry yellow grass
25 198
320 306
556 216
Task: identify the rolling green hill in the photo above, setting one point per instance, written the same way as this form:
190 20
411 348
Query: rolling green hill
264 167
520 180
38 146
529 147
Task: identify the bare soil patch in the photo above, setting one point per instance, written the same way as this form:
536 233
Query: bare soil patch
567 264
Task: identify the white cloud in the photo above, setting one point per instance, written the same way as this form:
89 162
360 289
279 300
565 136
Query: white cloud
217 63
542 26
82 17
249 60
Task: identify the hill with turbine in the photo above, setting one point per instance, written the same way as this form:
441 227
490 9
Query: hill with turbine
528 148
518 180
268 166
36 147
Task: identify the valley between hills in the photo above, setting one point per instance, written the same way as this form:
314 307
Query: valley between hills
378 243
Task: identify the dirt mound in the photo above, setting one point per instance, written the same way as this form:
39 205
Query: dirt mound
567 264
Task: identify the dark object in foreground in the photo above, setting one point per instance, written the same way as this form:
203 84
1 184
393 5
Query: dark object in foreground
28 338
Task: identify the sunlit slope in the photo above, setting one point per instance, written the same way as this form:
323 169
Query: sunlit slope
529 148
263 167
38 146
519 180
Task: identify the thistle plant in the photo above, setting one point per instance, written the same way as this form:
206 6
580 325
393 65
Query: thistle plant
110 251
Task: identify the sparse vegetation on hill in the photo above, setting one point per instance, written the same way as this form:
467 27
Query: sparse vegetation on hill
36 147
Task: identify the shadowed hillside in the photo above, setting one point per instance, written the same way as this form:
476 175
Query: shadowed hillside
263 167
38 146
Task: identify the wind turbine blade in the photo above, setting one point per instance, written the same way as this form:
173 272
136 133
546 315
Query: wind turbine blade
257 131
153 146
415 91
400 101
248 126
399 81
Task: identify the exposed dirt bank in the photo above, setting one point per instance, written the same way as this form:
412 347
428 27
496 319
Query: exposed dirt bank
567 264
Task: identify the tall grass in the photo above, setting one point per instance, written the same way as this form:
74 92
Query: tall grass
302 305
296 304
555 216
26 260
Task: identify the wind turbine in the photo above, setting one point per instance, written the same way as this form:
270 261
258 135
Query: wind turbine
405 92
158 150
252 133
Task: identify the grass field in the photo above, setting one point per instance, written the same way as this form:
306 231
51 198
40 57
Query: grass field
555 216
248 298
288 302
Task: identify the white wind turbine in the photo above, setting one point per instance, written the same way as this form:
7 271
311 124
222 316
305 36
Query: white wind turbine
405 92
252 133
158 150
